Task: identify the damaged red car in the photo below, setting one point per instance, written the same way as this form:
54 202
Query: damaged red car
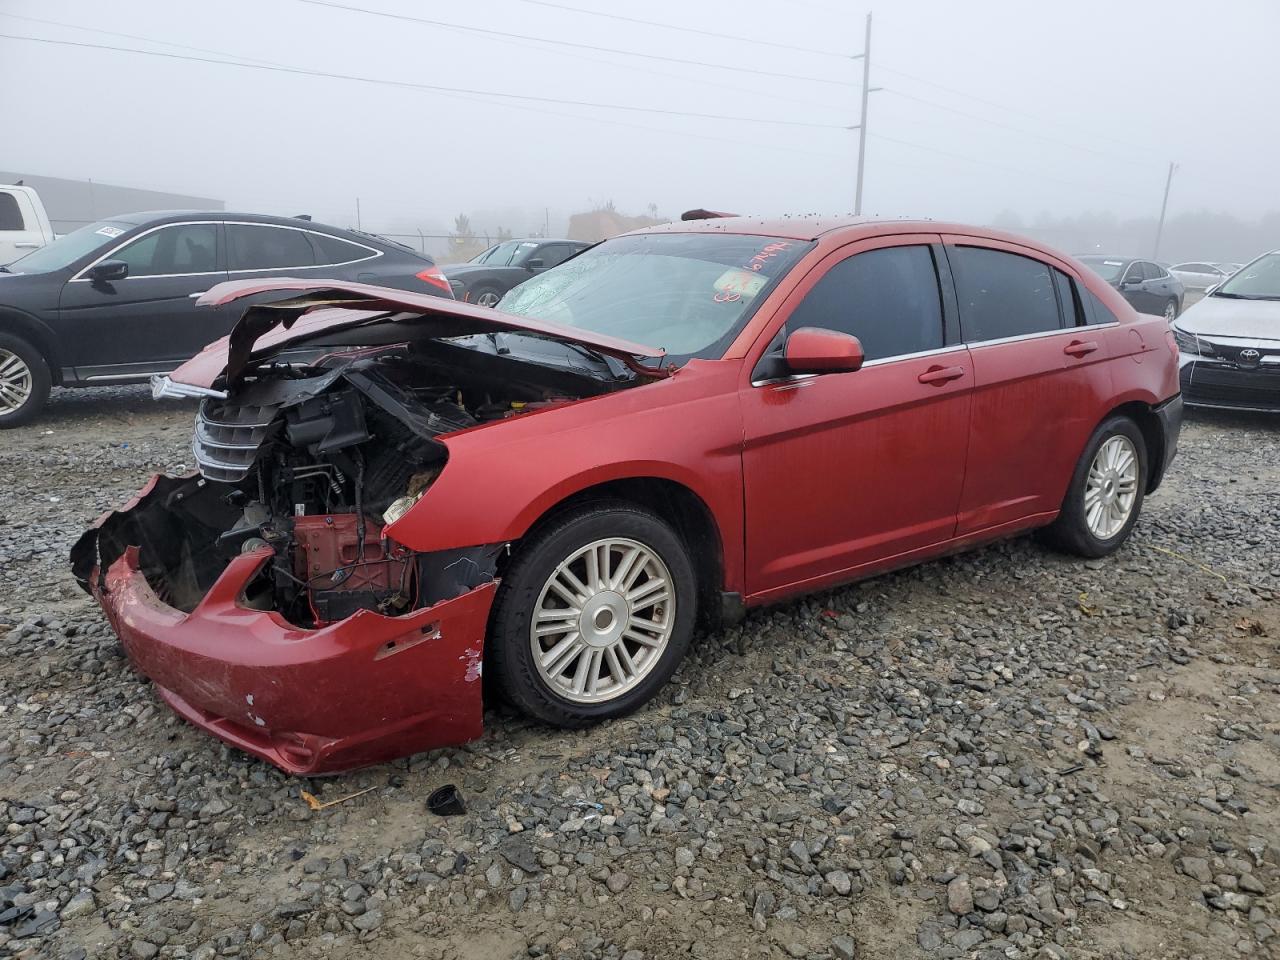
398 494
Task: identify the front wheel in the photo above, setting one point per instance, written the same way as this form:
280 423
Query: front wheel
594 615
1106 492
24 381
486 296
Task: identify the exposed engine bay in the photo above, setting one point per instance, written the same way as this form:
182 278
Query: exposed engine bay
314 459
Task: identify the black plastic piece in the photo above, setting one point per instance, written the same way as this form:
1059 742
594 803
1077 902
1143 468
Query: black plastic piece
446 801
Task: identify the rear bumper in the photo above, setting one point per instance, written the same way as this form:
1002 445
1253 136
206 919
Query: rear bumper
362 691
1227 387
1169 415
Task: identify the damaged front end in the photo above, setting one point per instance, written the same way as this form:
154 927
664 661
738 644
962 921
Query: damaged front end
264 596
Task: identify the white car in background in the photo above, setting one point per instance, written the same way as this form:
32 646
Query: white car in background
1229 342
24 225
1201 275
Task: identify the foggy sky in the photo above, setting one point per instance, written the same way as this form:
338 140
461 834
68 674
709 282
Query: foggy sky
1085 105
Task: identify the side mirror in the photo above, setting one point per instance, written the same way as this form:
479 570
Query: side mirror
813 350
108 271
533 264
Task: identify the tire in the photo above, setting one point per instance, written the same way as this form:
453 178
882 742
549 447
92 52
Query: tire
486 296
24 381
1100 532
1171 309
601 622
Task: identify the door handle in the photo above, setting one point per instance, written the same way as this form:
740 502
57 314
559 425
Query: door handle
1080 348
198 293
941 375
26 246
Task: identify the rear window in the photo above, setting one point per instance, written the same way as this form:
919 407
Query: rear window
10 213
333 250
265 248
1003 294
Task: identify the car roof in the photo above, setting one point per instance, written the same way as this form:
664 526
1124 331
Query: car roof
583 243
155 217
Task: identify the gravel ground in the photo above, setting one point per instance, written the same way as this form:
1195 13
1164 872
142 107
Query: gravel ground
1004 754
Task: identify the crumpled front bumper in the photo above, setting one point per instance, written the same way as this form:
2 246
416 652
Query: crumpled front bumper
365 690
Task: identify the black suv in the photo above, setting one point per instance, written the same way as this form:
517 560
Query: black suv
115 302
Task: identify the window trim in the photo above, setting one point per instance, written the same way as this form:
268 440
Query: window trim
81 277
1015 250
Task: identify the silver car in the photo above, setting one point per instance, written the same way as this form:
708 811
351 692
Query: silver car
1201 275
1229 342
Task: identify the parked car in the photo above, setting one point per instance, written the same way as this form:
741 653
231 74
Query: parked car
114 302
1229 342
1148 287
1200 276
487 277
24 224
675 425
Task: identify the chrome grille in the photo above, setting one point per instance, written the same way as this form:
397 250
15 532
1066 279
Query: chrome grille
228 436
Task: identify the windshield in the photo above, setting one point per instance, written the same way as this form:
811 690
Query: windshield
1107 269
505 254
689 293
66 250
1259 280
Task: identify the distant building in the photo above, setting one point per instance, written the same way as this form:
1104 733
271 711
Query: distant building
605 223
73 203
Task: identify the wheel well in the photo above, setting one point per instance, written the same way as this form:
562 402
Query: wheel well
1152 436
17 325
679 506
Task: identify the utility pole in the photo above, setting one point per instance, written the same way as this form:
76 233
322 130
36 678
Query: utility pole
1164 205
359 225
862 120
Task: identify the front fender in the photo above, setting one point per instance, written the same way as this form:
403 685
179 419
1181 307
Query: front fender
500 479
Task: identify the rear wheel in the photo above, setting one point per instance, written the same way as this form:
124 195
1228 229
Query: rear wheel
595 613
1171 309
1106 492
24 381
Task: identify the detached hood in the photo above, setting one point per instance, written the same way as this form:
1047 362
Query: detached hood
1226 317
331 305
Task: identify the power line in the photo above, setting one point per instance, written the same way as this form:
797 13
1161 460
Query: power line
1016 129
671 26
997 166
435 88
992 103
569 43
274 63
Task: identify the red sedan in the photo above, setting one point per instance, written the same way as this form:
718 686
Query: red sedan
398 492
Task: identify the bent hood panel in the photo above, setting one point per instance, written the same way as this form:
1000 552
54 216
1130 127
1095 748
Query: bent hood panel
334 305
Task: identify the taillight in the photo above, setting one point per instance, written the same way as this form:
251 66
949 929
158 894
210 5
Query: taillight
433 276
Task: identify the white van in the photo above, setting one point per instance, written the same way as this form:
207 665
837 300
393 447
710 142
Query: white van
24 225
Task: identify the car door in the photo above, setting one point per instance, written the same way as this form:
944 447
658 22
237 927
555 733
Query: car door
1133 286
1161 286
1040 378
846 471
147 322
20 231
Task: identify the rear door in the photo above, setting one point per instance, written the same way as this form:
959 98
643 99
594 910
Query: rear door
1041 383
848 470
148 322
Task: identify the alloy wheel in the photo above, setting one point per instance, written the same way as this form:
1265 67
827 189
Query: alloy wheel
488 299
16 382
602 621
1171 311
1111 488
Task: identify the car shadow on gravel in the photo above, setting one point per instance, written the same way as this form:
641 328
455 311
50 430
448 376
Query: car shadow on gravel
74 407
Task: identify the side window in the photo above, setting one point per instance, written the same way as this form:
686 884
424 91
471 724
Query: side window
1152 271
333 250
10 213
1134 272
1002 294
887 298
1068 298
266 248
182 248
554 254
1095 311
